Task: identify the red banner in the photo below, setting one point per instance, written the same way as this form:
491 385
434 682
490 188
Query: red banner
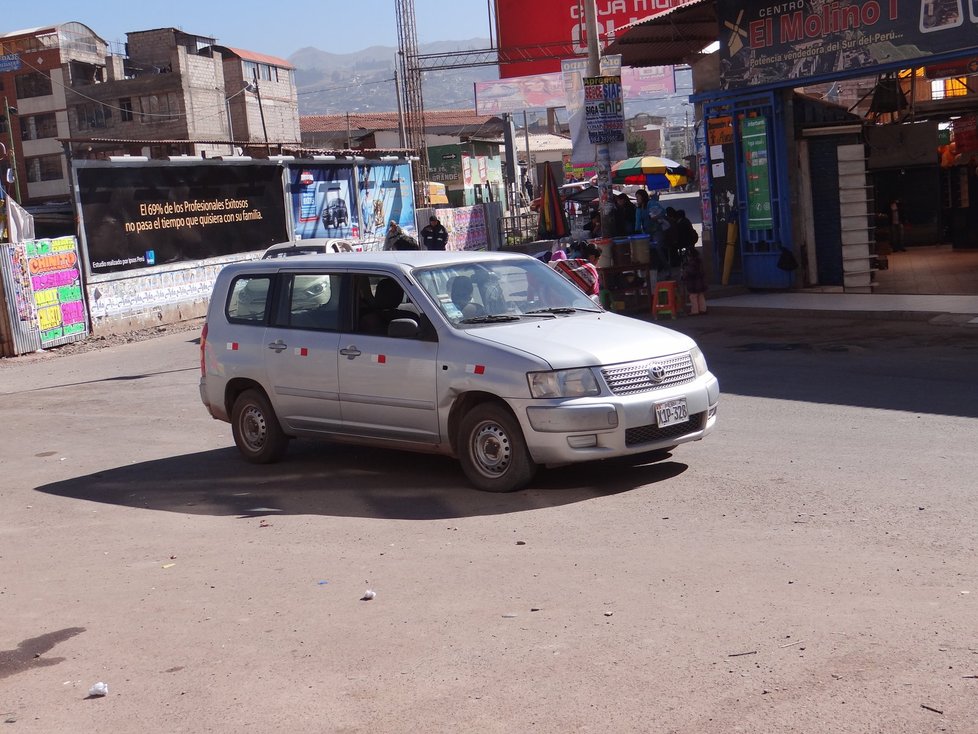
535 36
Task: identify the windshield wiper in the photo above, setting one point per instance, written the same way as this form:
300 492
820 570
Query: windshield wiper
558 310
494 318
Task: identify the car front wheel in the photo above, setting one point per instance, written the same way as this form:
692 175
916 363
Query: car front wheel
492 450
257 432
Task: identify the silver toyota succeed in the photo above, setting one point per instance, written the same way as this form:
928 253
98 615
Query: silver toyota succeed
493 358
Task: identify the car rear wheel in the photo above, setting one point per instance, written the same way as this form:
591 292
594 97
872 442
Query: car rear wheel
492 450
257 432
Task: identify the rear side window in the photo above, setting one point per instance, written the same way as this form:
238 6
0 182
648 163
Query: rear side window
249 300
312 301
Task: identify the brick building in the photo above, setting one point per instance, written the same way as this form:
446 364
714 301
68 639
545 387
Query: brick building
173 93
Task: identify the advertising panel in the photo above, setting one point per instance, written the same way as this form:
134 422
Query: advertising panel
137 217
765 43
547 90
535 36
45 290
322 201
753 132
466 227
604 112
583 150
386 195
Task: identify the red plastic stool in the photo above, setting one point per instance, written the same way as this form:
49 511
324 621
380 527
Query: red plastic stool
664 299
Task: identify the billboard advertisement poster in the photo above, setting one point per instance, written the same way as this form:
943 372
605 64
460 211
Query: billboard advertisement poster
466 227
534 36
574 71
322 201
138 217
809 39
753 132
386 195
45 289
547 90
604 112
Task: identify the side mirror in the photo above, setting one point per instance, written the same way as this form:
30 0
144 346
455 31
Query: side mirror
404 329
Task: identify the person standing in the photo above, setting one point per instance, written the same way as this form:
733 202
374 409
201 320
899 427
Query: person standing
896 227
624 216
434 236
694 279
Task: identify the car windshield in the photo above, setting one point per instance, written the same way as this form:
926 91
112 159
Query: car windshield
495 291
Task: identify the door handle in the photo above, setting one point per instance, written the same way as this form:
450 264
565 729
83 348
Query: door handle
279 346
350 352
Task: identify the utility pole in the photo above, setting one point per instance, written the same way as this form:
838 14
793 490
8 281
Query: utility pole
13 154
602 150
261 110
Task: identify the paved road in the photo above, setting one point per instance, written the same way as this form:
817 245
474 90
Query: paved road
808 568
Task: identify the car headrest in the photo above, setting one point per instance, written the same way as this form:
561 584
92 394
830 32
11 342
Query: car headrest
389 294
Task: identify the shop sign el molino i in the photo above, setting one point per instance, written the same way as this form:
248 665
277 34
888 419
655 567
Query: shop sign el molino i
766 43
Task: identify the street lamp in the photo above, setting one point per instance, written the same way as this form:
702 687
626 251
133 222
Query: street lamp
13 155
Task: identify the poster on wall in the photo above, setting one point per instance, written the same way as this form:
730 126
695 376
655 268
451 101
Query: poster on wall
386 194
604 112
138 217
753 133
763 44
322 201
574 71
44 290
466 228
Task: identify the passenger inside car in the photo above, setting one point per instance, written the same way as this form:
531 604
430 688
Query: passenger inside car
461 294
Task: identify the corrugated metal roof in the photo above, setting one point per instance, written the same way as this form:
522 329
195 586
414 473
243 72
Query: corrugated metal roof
372 121
671 37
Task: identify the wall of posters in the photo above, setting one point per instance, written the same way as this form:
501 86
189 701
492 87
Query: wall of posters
43 287
765 43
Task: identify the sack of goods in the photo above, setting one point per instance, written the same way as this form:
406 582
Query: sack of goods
577 272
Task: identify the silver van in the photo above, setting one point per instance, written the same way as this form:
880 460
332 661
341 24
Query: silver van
492 358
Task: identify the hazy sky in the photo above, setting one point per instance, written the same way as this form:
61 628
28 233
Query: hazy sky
339 26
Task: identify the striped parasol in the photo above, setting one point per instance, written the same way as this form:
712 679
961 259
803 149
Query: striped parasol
651 171
553 221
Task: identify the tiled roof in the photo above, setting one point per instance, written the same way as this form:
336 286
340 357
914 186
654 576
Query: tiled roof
260 58
389 121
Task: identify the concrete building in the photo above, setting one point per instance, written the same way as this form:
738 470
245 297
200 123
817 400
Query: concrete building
173 93
381 130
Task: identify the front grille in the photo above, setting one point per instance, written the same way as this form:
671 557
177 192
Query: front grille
634 377
653 434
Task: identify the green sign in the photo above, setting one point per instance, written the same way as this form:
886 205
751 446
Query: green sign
754 138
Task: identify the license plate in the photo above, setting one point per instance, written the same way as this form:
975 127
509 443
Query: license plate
671 411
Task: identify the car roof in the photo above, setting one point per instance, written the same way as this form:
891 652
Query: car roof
398 259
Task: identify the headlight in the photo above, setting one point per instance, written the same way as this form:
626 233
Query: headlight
699 361
577 383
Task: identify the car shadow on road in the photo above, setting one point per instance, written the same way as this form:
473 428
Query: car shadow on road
343 481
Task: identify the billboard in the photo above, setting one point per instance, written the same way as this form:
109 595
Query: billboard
765 44
322 201
547 90
142 216
386 194
534 36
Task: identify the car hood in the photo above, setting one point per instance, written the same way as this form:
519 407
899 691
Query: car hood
586 340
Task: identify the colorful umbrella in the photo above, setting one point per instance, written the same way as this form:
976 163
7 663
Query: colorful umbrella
650 171
553 221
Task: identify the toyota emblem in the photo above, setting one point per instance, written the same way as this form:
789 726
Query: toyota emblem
657 373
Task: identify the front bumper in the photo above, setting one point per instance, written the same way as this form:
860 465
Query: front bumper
608 426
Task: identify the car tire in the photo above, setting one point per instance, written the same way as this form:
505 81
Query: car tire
257 432
492 450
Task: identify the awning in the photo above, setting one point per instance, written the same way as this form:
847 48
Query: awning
675 36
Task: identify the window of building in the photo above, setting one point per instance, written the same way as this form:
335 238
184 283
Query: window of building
158 108
33 84
93 116
266 72
36 127
251 70
125 109
44 168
